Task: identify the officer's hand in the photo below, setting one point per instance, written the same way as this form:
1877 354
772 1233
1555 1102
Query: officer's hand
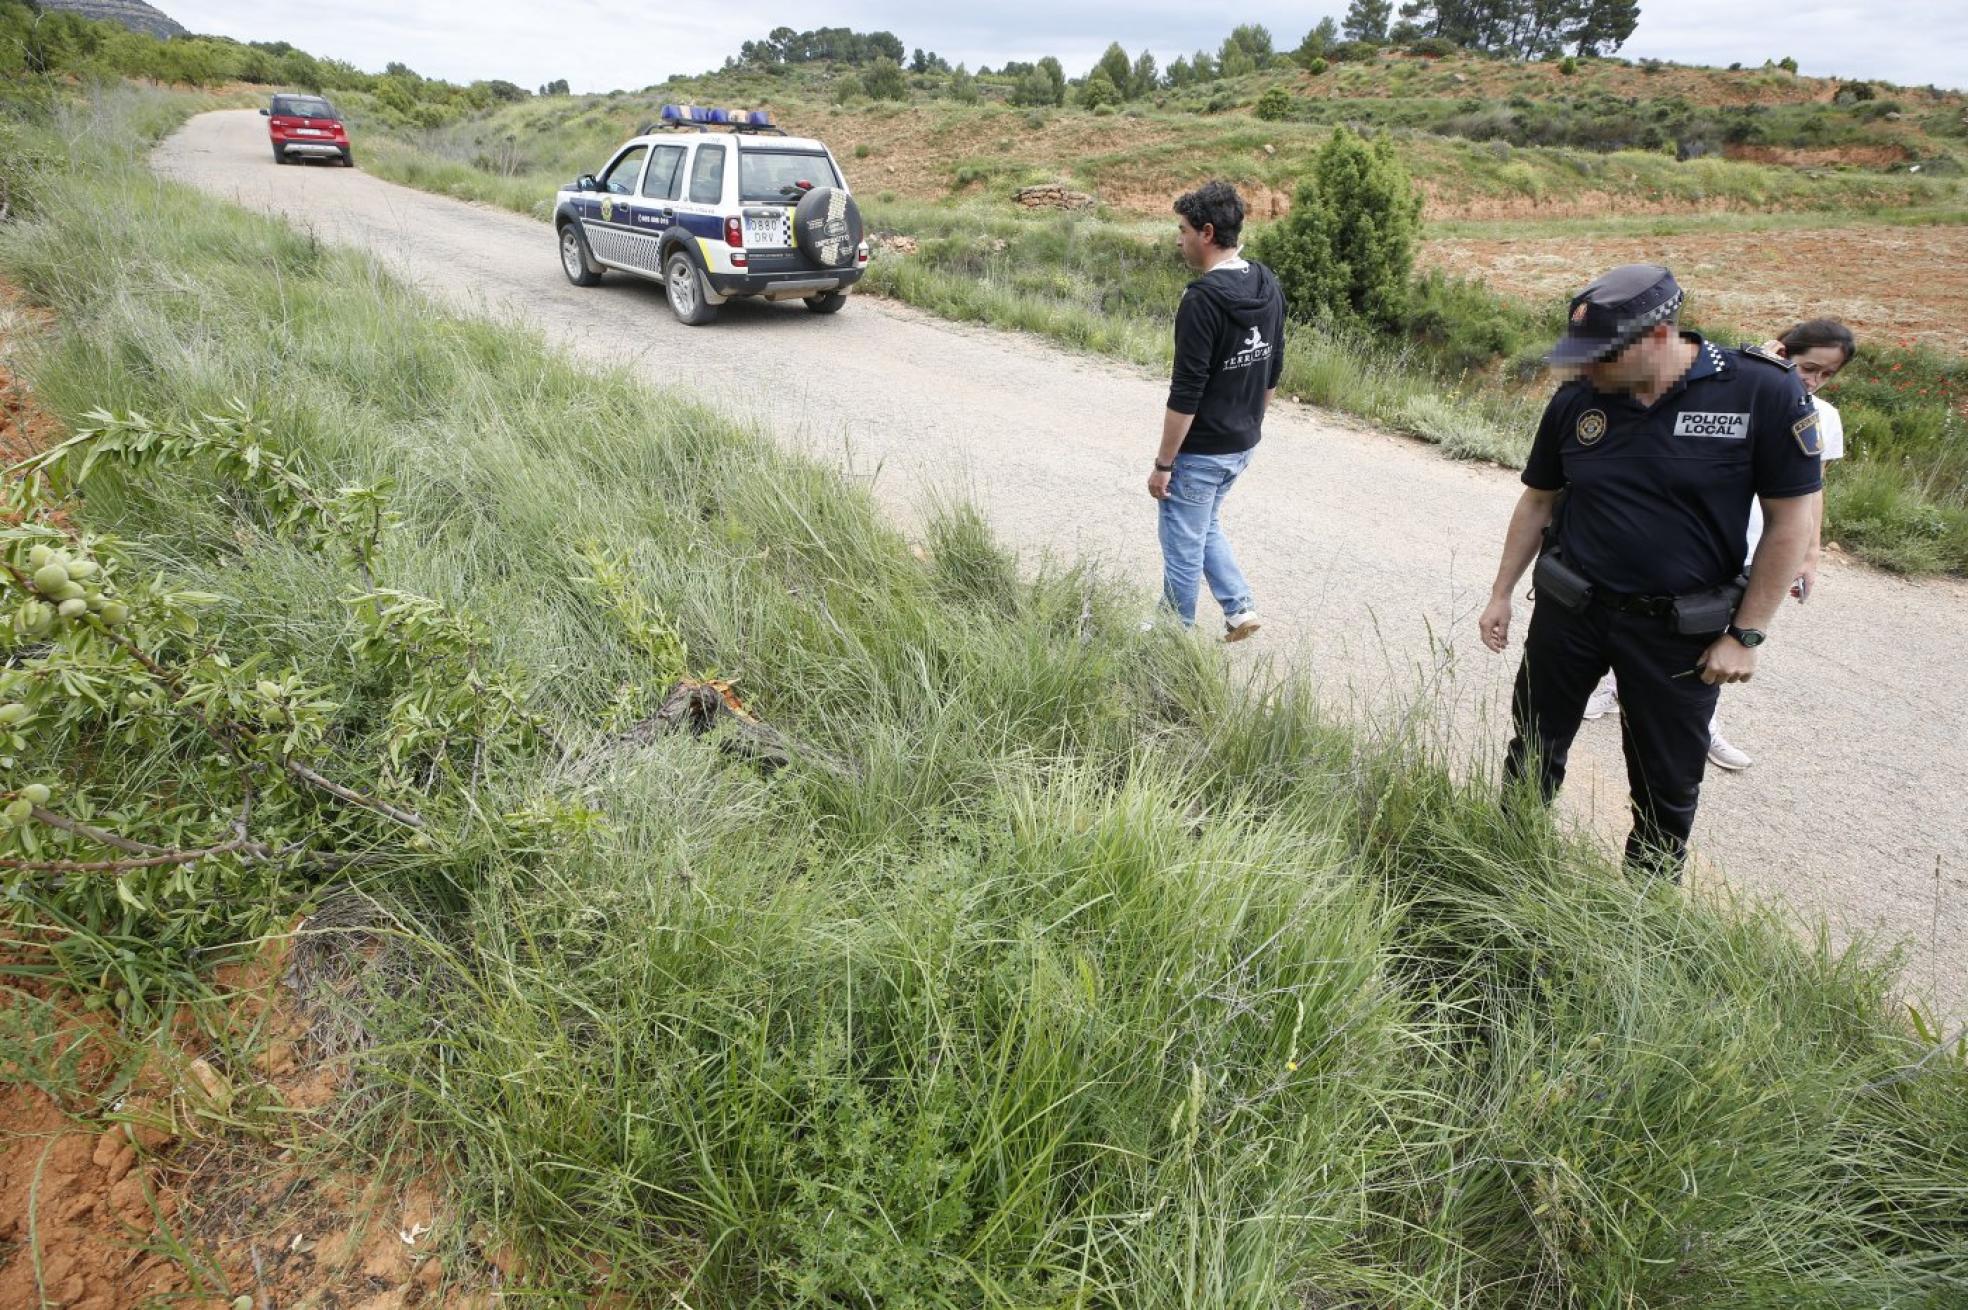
1807 578
1494 624
1158 484
1728 660
1776 347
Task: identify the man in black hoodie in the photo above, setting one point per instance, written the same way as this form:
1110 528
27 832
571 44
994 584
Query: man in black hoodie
1229 351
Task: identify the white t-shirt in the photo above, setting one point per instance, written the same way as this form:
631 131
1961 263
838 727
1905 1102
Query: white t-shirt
1831 430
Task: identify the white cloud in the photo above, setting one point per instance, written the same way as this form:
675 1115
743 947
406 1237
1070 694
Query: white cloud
599 45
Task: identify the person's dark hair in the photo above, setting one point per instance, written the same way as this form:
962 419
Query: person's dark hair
1812 333
1217 204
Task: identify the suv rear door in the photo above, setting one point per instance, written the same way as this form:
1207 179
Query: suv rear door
700 210
771 180
653 210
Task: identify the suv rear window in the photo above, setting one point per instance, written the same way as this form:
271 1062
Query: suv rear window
772 174
304 107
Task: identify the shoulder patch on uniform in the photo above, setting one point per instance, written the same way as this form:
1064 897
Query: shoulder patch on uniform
1810 439
1591 427
1757 352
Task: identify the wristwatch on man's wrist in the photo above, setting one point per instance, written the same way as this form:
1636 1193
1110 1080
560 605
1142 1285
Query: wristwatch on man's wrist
1750 637
1164 468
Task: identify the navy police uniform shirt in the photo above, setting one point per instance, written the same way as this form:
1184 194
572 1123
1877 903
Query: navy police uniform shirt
1657 498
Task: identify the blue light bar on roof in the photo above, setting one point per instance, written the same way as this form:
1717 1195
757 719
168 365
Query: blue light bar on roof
728 117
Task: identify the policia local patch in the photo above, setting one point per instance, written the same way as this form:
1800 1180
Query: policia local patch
1728 427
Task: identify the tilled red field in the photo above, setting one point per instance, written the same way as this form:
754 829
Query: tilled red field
1903 284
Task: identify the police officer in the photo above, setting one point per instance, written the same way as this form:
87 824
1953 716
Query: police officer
1638 487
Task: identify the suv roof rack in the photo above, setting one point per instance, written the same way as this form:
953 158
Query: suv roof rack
696 118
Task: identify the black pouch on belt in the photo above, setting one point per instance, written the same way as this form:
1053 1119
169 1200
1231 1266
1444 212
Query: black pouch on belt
1560 583
1701 612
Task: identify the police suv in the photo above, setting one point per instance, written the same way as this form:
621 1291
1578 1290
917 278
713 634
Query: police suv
716 204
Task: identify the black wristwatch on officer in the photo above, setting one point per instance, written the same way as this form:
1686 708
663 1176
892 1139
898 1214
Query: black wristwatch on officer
1164 468
1749 637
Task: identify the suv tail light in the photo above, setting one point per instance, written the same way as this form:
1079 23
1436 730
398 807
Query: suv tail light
734 231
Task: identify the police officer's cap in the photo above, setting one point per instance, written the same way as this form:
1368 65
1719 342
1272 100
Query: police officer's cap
1614 311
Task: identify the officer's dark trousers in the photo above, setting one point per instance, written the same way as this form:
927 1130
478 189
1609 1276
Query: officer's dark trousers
1663 719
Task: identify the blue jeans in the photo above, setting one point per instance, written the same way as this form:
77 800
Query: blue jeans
1193 544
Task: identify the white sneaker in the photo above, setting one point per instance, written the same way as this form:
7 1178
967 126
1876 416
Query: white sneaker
1725 756
1238 626
1603 701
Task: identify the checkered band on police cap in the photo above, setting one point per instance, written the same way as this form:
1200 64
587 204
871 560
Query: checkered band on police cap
1615 310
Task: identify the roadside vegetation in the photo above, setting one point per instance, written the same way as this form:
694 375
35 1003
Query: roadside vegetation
993 954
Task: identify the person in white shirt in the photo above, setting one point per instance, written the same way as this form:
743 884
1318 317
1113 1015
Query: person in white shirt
1818 348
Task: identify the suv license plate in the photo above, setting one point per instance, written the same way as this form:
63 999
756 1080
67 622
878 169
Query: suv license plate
309 131
764 231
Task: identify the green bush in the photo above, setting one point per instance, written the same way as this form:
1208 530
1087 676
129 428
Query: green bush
1099 91
884 81
1788 64
1317 66
1347 247
848 87
1569 66
1434 47
1275 105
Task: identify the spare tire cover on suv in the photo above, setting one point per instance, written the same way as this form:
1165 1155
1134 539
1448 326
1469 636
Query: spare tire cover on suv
827 227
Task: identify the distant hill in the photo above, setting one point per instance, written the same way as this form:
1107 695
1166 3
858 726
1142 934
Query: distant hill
133 14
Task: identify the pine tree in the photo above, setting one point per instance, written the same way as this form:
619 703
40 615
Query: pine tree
1366 20
1603 25
1347 248
1117 66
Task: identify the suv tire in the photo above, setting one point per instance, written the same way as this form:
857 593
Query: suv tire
827 304
575 261
348 158
686 290
279 155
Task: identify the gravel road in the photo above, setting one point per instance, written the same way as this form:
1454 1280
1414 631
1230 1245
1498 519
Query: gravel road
1370 554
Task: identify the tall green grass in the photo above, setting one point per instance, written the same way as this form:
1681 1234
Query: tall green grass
1059 968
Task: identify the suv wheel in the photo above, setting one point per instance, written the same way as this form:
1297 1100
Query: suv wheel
686 290
574 260
827 304
279 155
348 157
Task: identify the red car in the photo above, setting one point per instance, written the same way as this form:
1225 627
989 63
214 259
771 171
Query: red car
307 127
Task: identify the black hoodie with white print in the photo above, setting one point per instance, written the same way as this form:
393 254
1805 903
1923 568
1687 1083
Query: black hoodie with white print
1229 351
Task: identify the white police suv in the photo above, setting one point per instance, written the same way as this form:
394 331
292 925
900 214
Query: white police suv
716 204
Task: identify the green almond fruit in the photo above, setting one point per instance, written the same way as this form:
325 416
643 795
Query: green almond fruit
18 811
35 793
83 568
39 556
50 577
270 690
73 608
115 612
12 714
67 591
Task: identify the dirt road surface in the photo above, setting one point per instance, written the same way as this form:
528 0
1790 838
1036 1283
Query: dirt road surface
1370 554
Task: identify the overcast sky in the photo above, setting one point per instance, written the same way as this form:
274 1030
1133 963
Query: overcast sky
599 45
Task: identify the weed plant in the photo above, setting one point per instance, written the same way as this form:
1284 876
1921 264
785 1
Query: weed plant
1058 967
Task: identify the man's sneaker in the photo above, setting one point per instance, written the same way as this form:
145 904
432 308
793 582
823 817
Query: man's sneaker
1725 756
1238 626
1603 701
